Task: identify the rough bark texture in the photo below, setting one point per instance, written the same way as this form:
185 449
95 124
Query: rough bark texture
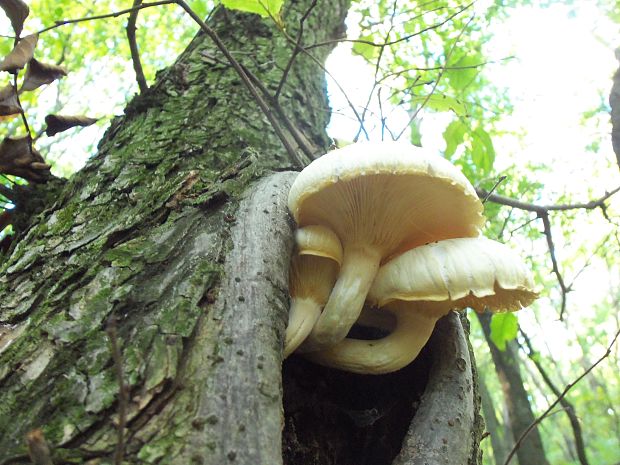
239 343
142 233
520 413
177 228
444 435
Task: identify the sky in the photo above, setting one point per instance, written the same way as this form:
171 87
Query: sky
563 65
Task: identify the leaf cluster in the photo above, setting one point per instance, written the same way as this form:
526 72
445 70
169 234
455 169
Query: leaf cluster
18 157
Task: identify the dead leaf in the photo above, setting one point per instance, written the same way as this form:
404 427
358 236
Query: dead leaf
59 123
8 102
38 450
20 55
38 74
19 159
17 11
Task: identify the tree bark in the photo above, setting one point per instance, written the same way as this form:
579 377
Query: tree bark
177 229
520 412
498 432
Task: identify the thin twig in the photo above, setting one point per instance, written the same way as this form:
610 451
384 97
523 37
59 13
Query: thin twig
566 405
123 398
439 76
377 68
328 74
114 14
544 216
247 82
542 212
304 144
437 68
133 47
299 137
22 113
521 226
393 42
530 207
296 50
8 179
499 181
589 259
536 422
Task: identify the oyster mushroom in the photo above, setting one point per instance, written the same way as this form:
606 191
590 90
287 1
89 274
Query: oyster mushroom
380 199
313 272
424 284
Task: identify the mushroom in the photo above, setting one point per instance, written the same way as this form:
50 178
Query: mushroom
422 285
313 272
380 199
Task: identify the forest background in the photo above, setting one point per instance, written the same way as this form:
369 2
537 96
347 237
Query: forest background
528 121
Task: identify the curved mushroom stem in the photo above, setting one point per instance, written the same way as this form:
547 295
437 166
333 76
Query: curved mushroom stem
391 353
301 319
359 267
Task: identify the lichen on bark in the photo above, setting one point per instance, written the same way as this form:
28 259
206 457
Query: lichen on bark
148 233
141 234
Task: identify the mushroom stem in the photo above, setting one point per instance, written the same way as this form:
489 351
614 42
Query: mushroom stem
391 353
302 317
359 267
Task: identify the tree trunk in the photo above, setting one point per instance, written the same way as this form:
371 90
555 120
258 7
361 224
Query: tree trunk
177 230
520 413
498 432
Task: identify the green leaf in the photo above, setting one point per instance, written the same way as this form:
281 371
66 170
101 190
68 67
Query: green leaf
416 135
504 328
453 135
369 52
482 150
467 72
439 102
264 8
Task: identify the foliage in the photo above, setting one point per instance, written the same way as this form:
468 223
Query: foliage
430 59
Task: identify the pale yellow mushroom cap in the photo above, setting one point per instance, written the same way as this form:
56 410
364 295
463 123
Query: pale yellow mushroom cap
454 274
389 196
425 283
314 269
318 241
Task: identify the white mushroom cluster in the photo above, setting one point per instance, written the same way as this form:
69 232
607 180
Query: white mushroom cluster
397 228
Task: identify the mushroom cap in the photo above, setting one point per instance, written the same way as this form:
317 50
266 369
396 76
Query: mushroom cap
318 241
390 196
454 274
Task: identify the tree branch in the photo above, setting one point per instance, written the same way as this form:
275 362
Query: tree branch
560 397
114 14
544 216
542 212
240 342
439 76
450 383
566 405
327 73
394 42
376 80
133 47
530 207
296 50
